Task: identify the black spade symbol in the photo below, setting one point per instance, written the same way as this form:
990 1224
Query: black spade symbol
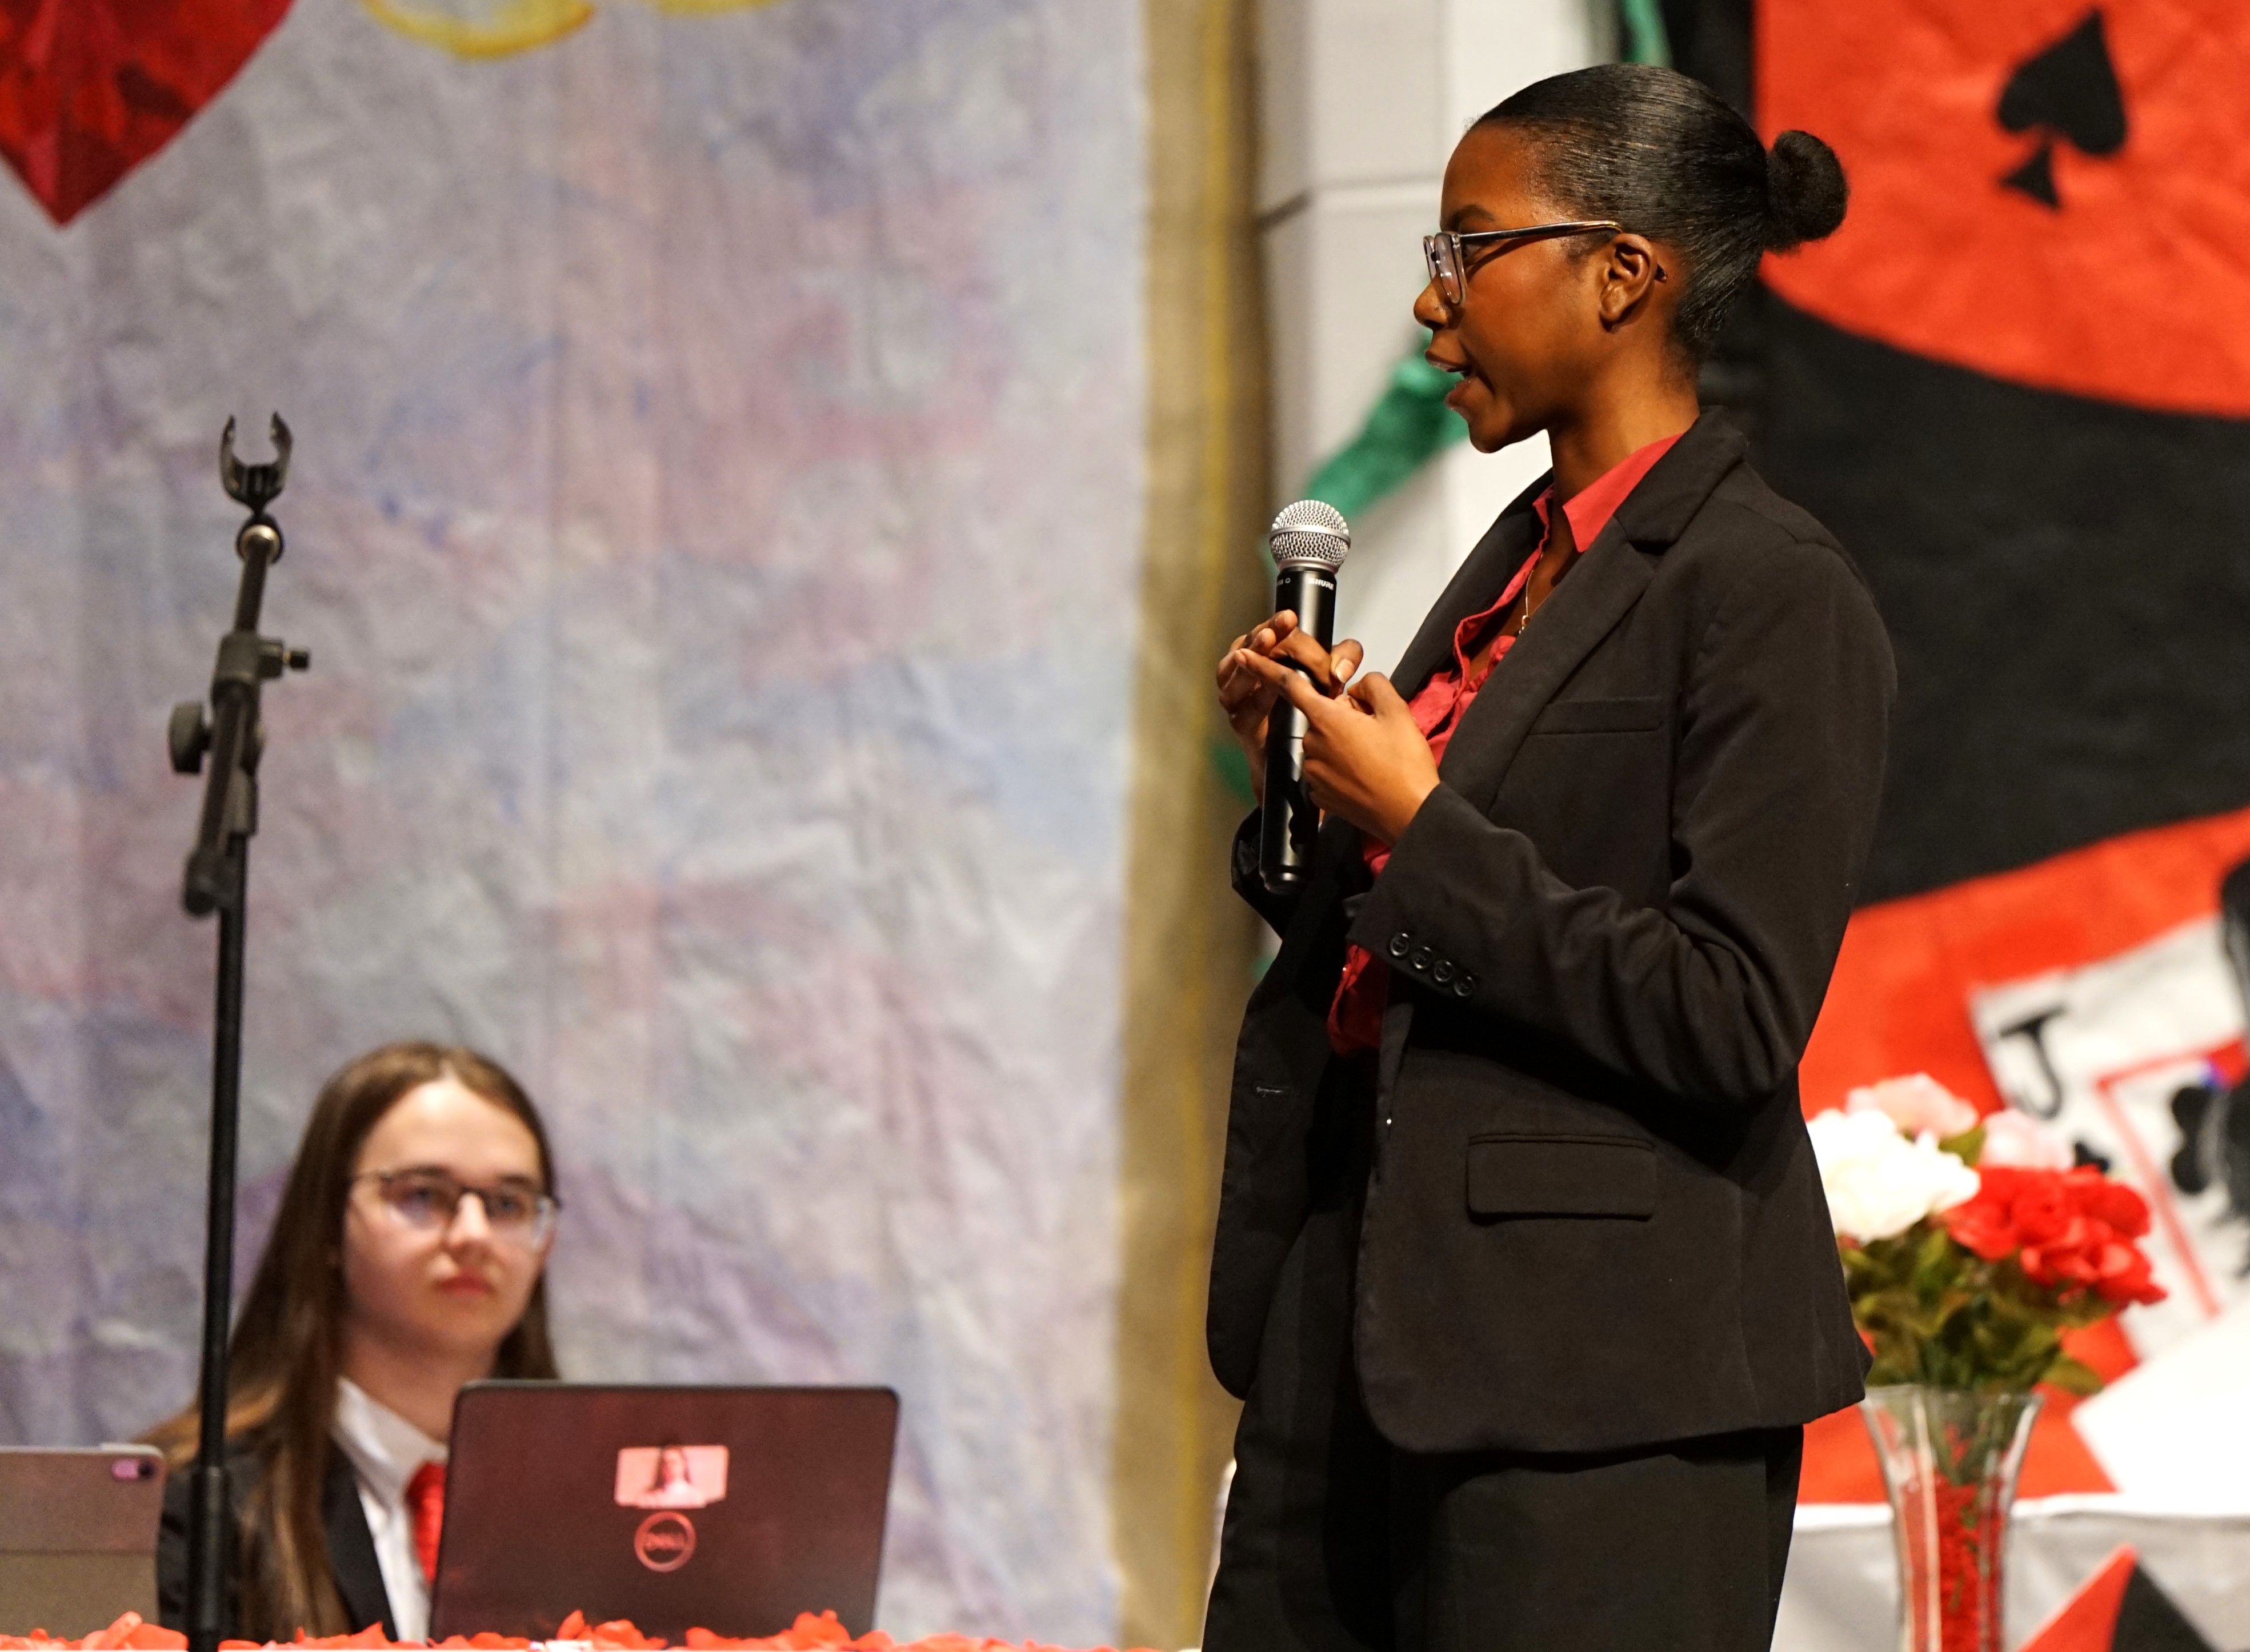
2068 91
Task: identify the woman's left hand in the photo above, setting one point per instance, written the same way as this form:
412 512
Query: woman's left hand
1365 758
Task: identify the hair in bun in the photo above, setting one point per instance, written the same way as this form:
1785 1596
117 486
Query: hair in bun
1667 157
1805 190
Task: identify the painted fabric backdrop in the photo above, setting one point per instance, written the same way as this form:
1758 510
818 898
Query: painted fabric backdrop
716 524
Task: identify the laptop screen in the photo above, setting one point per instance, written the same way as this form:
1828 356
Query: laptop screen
728 1509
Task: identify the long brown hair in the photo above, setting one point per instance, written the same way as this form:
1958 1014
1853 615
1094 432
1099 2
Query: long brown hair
286 1350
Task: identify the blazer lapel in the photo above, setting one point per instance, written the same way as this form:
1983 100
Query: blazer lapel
1475 586
1586 607
351 1549
1608 580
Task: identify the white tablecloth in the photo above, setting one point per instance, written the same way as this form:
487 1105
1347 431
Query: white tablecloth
1842 1590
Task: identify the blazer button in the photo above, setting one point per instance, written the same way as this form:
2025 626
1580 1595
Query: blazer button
1442 970
1399 944
1420 961
1465 987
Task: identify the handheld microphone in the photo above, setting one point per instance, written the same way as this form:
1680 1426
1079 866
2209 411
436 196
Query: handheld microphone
1309 542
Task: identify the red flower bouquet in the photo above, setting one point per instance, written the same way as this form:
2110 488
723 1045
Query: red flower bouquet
1969 1246
1969 1253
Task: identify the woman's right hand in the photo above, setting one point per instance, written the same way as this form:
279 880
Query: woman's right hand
1247 699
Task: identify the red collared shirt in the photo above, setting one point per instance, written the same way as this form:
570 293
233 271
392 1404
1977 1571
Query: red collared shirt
1355 1016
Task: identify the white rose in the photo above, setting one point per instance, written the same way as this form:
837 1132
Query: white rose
1878 1183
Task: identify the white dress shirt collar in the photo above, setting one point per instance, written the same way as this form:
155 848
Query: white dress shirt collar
385 1447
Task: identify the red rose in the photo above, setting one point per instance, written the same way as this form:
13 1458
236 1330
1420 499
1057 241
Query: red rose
2114 1267
1981 1226
2063 1265
2071 1230
2043 1206
2092 1248
2127 1277
2013 1207
1985 1224
2113 1202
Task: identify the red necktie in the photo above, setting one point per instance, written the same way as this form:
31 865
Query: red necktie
426 1503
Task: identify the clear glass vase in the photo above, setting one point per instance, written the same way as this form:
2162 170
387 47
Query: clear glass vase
1950 1457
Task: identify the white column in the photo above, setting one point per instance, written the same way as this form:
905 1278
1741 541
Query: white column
1361 102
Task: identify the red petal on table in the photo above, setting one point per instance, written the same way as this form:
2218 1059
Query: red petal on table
89 89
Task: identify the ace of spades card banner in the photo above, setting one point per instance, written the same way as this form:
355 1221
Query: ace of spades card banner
2016 385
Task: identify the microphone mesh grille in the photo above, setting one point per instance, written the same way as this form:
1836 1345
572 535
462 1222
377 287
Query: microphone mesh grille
1310 534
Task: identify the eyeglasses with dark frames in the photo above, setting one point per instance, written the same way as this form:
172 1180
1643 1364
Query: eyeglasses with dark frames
1448 250
428 1200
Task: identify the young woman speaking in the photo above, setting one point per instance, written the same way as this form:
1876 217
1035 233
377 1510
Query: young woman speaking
1522 1266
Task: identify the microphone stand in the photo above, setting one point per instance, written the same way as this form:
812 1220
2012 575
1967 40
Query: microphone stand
217 880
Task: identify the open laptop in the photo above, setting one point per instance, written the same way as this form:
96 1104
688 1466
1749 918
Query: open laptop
78 1537
728 1509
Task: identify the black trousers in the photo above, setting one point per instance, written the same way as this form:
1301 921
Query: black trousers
1335 1541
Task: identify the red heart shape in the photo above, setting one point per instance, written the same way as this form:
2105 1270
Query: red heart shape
89 89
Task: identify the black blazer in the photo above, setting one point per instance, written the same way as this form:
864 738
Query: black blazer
1595 1220
351 1548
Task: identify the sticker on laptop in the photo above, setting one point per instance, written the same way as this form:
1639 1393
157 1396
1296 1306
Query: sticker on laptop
671 1476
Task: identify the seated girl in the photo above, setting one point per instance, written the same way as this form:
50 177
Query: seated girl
406 1259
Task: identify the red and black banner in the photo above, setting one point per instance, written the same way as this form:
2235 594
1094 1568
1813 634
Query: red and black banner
2016 384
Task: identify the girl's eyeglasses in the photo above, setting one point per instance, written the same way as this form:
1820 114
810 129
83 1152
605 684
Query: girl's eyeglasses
1448 250
427 1200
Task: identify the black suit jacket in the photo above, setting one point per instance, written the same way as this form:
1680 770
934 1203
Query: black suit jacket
1595 1220
351 1549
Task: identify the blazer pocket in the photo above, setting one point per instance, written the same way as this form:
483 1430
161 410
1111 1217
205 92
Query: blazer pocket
1561 1176
1600 716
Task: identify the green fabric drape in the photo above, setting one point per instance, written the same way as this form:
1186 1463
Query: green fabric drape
1646 38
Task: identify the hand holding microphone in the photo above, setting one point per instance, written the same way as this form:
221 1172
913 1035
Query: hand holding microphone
1309 542
1315 739
1248 700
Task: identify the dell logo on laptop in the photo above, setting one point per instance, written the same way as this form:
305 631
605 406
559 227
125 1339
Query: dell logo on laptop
665 1542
